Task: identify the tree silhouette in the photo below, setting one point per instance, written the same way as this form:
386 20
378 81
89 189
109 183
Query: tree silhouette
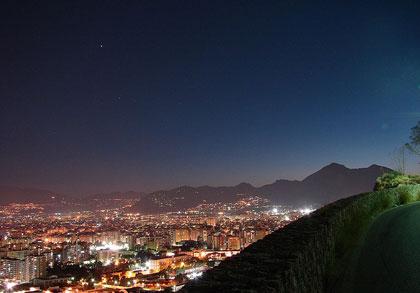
414 144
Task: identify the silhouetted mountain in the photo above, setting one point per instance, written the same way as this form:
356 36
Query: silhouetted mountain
330 183
12 194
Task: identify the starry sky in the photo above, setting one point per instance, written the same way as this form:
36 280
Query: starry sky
101 96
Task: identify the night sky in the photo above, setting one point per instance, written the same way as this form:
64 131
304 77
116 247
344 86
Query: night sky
103 96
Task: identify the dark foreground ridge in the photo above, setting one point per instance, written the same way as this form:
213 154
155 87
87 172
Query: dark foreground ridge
303 255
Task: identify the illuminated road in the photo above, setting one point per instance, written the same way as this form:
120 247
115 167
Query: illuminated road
390 257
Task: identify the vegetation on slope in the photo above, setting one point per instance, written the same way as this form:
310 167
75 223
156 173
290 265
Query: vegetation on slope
395 179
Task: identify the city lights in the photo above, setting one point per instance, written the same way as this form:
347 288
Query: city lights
131 251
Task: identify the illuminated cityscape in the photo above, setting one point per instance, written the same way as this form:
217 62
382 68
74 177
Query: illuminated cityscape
115 250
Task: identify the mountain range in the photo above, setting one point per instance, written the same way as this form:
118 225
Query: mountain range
330 183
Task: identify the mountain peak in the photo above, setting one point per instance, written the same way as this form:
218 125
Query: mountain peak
335 166
244 185
327 171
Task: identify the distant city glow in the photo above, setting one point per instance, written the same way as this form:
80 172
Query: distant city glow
306 211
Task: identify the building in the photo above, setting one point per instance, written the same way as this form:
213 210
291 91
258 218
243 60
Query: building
233 243
153 243
107 256
218 241
12 268
158 264
129 239
182 234
260 234
24 270
211 221
35 267
198 234
52 281
74 253
112 237
186 234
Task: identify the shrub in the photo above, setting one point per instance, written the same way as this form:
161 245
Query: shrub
387 201
404 196
395 179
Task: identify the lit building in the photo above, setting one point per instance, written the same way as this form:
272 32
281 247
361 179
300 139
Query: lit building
110 237
74 253
179 235
212 221
158 264
107 255
233 243
129 239
248 237
198 234
218 241
11 268
260 234
35 267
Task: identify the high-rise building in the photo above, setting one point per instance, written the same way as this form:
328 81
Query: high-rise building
35 267
233 243
107 256
181 234
218 241
24 270
129 239
74 253
110 237
12 268
248 237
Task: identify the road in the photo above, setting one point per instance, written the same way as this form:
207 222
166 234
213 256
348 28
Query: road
389 259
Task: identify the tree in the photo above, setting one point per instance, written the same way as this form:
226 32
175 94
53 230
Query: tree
398 159
414 144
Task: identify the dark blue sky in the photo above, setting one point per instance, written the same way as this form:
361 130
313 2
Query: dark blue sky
118 95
